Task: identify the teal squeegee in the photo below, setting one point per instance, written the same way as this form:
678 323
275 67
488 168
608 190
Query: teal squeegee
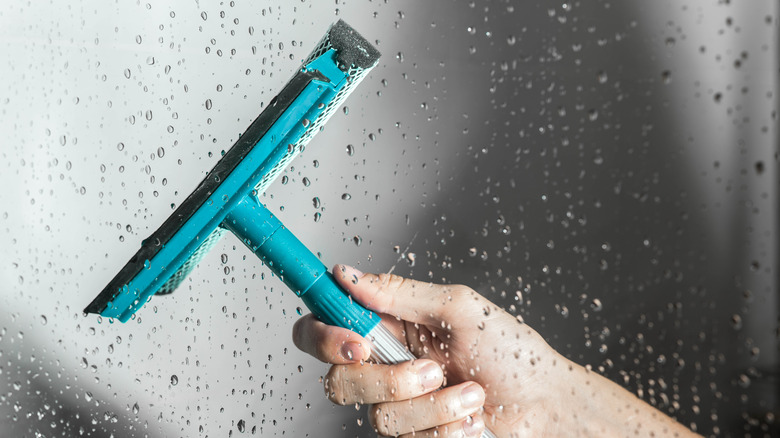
227 199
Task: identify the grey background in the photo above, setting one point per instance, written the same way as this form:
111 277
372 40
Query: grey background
624 152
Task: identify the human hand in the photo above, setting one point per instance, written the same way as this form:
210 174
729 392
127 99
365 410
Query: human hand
495 370
453 330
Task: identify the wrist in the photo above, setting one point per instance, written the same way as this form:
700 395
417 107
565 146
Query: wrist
585 404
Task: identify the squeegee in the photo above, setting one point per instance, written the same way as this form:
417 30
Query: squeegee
227 199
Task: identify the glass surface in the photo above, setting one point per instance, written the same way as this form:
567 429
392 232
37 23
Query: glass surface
607 171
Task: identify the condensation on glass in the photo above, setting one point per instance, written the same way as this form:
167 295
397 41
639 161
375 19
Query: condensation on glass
605 171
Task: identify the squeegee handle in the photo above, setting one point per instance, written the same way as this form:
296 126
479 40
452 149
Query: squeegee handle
308 277
297 267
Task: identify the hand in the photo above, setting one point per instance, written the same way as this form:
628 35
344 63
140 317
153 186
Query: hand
494 370
455 332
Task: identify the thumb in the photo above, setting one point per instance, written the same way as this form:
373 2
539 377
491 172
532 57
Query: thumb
409 300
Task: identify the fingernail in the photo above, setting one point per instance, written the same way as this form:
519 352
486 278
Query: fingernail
471 396
473 426
352 351
430 375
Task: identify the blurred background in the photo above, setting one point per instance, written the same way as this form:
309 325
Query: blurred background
608 171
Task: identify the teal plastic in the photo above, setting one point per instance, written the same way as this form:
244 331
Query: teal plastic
239 184
297 267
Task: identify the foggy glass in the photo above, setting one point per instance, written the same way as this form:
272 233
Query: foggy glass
606 171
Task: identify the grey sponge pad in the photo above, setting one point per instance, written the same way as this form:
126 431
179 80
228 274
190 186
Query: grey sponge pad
353 50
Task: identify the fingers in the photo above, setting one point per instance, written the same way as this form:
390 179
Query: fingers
410 300
329 344
472 426
444 409
370 383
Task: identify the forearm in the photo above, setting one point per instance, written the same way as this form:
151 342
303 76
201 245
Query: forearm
598 407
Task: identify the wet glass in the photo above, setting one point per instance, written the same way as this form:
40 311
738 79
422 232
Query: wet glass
607 172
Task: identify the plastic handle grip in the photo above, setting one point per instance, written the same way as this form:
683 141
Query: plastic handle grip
307 276
297 267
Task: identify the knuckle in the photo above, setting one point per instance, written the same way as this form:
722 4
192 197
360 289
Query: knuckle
462 303
390 281
394 389
461 292
388 284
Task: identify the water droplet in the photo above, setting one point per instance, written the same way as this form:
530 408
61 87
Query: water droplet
208 104
306 181
174 380
602 77
596 305
736 322
346 196
136 408
138 39
511 40
358 240
120 146
317 217
204 15
241 426
410 258
350 150
666 76
44 321
148 115
224 258
127 73
316 202
299 311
